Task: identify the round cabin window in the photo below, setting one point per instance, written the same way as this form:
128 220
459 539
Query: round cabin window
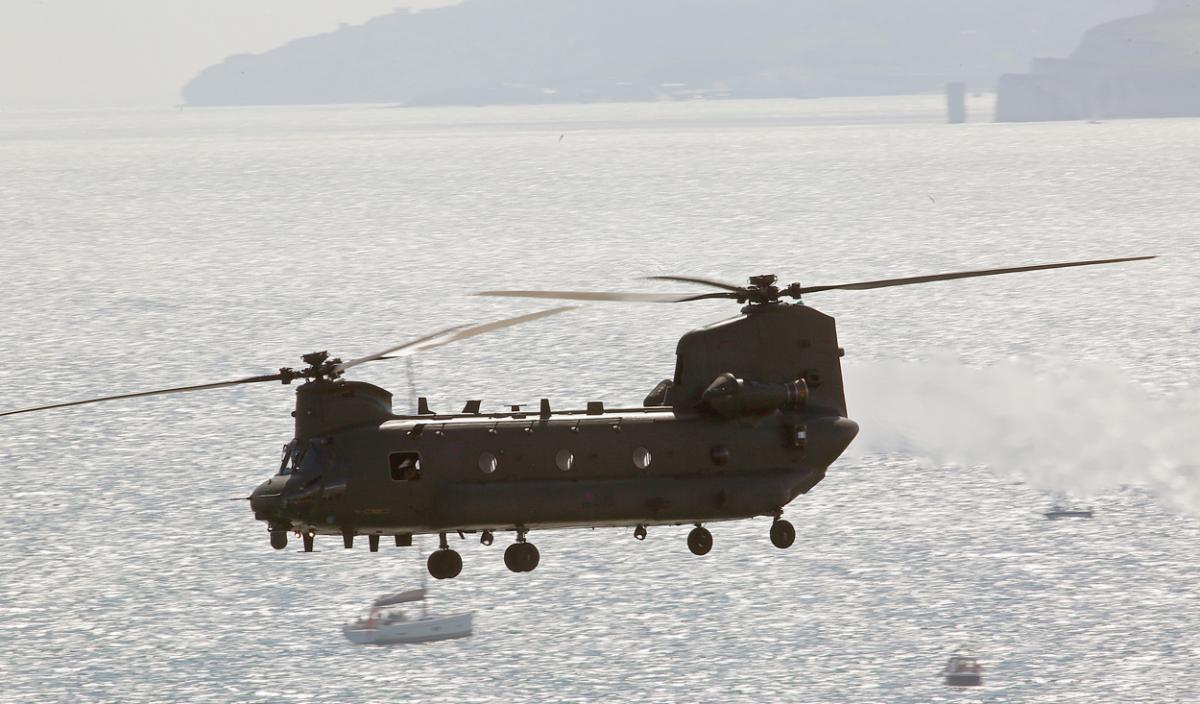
565 460
488 463
641 458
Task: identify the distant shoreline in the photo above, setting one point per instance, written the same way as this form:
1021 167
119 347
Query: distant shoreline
915 108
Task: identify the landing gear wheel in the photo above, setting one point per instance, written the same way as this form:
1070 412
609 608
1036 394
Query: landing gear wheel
700 541
373 543
640 532
279 539
521 557
783 534
453 564
444 564
308 542
531 557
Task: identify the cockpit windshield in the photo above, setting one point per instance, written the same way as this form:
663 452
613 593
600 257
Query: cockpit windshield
303 456
293 454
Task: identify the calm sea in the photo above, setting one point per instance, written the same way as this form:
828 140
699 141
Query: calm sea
142 249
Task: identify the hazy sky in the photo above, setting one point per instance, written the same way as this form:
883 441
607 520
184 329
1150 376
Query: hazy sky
88 53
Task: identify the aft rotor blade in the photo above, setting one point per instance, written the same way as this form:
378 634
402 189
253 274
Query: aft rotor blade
693 280
595 296
445 337
884 283
156 392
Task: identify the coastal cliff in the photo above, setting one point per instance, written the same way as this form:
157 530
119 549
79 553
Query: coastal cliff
557 51
1143 66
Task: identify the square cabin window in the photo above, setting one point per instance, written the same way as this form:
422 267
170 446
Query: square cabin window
405 466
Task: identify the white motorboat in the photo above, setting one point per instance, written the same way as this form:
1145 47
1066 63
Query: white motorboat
385 624
963 670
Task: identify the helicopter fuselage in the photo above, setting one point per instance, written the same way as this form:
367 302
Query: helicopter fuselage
527 471
752 418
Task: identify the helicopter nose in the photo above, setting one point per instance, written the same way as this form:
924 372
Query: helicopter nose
265 500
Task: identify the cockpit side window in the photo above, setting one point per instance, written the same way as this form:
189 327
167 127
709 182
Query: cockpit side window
405 466
312 459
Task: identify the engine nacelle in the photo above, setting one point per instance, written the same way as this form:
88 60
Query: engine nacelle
731 397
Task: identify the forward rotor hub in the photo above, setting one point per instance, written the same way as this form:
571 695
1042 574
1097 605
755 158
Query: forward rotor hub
320 366
762 290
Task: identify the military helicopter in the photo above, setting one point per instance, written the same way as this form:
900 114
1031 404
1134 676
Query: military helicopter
752 418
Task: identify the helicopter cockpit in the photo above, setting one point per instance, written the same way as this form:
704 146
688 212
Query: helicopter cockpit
290 458
301 457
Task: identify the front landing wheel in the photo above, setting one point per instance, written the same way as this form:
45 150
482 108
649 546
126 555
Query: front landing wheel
444 564
700 541
783 534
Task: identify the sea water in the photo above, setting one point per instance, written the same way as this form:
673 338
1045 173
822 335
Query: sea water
156 248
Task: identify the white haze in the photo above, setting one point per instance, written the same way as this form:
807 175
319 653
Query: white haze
73 53
1061 426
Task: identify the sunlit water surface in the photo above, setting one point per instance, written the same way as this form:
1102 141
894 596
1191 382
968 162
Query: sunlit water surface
161 248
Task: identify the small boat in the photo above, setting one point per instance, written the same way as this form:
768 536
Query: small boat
385 624
1067 512
963 670
1064 506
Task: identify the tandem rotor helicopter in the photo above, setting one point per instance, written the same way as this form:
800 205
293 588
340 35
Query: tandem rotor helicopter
752 418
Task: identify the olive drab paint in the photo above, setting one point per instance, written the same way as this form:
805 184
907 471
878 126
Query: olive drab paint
629 466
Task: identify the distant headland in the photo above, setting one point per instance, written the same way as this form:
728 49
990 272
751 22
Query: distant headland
557 51
1142 66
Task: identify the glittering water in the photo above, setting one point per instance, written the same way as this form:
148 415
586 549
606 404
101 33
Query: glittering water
147 249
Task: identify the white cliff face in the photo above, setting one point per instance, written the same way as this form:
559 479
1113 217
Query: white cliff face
1162 40
1142 66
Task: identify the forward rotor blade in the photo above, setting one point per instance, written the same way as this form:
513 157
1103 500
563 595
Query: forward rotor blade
157 392
445 337
692 280
884 283
595 296
707 296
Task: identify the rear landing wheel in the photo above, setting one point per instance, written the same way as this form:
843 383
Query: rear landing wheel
308 542
783 534
373 542
521 557
444 564
279 539
700 541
